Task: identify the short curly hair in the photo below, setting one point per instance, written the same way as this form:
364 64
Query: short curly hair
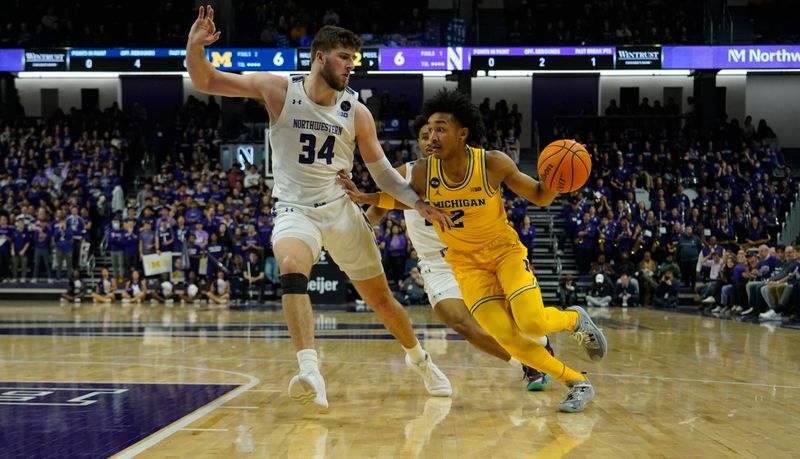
419 122
461 108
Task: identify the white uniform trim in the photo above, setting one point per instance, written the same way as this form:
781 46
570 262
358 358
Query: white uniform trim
440 282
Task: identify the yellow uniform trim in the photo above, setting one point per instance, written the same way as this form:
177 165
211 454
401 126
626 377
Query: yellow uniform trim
485 300
485 174
467 176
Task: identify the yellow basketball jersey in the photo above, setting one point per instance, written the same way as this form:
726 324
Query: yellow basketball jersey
475 208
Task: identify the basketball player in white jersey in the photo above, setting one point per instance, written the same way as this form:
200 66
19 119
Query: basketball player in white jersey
315 124
443 292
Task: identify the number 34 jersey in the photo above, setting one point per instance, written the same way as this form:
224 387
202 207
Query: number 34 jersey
310 143
476 210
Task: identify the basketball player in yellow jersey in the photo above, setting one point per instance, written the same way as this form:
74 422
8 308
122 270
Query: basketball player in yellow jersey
489 261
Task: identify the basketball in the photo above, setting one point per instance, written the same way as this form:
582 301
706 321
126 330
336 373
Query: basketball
564 166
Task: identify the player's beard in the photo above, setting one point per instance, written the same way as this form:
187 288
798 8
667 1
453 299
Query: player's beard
329 77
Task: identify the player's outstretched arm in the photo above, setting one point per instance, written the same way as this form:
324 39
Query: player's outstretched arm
385 176
259 86
502 169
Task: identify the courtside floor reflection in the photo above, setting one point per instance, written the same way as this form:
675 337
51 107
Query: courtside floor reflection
150 381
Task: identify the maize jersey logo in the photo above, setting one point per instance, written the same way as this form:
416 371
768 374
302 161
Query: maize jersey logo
434 182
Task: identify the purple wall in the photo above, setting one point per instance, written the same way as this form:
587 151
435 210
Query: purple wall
410 85
568 94
160 95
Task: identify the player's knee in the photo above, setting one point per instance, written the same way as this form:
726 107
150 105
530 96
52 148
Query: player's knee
290 264
294 284
382 302
465 326
532 325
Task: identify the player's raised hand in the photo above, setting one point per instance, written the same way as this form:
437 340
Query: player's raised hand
203 31
433 215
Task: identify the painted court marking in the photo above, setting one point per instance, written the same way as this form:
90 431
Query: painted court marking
203 430
180 424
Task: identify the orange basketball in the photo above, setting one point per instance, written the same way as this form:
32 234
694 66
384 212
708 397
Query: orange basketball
564 166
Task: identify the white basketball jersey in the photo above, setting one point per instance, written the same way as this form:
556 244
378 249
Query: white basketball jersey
423 235
310 143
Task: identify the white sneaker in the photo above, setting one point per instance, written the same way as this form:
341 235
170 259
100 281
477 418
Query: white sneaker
77 300
307 388
770 314
62 300
153 301
716 310
126 300
709 300
435 381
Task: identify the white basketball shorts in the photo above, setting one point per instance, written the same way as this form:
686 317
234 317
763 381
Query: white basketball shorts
340 226
440 282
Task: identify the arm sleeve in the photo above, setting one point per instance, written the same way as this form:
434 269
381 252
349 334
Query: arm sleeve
390 181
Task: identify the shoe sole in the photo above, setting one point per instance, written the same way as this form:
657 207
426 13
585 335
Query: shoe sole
601 337
304 393
538 386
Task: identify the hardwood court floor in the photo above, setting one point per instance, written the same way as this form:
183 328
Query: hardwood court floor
200 384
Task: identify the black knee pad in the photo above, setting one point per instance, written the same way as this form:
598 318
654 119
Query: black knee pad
294 284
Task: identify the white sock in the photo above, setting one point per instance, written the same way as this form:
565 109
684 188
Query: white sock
416 353
307 358
542 340
515 363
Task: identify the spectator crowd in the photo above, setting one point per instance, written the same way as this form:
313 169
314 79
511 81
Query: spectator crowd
662 210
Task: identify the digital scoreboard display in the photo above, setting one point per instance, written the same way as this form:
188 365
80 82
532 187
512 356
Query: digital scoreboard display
542 58
443 59
127 60
365 59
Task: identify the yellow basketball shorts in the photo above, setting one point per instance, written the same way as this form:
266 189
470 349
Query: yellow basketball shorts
498 271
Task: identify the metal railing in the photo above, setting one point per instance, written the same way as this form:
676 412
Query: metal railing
554 246
791 227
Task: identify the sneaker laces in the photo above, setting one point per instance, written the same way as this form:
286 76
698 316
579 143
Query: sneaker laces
427 367
575 390
586 339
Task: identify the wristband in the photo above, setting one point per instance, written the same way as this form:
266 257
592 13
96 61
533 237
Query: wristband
385 200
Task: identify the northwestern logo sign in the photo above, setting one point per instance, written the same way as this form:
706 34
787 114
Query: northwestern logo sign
455 58
759 55
732 57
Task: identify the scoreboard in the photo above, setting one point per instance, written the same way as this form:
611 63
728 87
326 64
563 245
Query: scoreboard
365 59
555 62
584 58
